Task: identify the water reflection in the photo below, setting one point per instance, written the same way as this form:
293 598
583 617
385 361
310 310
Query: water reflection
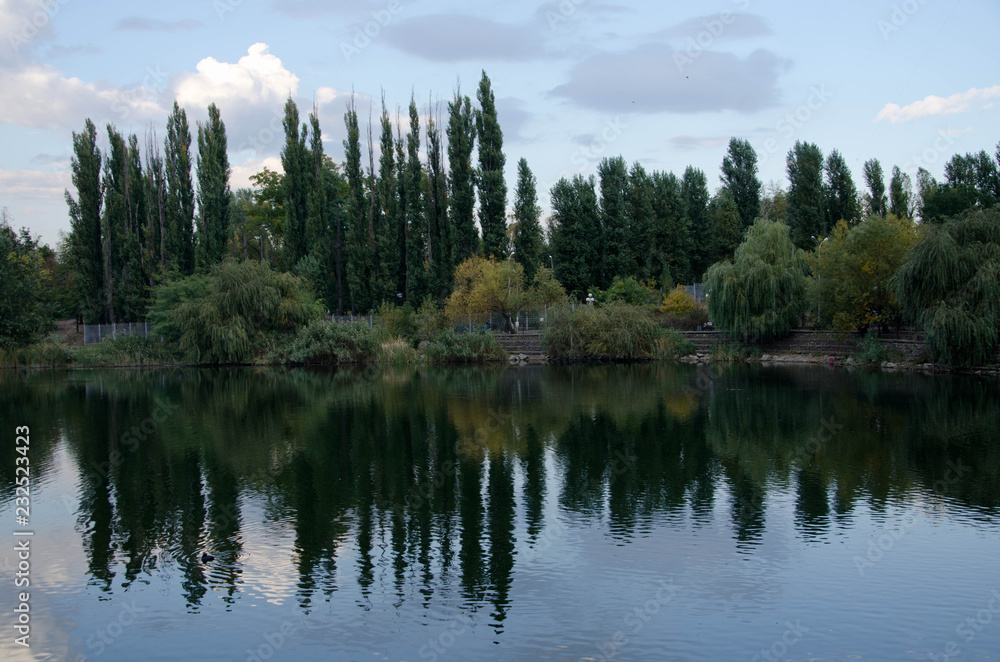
401 480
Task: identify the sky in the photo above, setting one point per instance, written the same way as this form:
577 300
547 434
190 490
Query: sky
665 84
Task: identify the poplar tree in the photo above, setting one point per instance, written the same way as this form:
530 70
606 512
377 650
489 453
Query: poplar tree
842 201
641 254
739 176
179 238
357 254
875 181
613 174
214 196
900 194
416 222
492 188
461 210
694 193
298 181
671 228
86 250
575 223
389 238
806 203
439 235
528 234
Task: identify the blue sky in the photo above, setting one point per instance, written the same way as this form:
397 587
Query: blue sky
663 83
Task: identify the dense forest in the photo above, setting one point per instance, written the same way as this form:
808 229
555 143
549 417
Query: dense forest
387 225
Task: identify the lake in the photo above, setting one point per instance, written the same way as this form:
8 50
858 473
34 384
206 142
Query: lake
640 512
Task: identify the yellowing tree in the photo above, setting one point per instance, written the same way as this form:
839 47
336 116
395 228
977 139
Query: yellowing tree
484 286
853 285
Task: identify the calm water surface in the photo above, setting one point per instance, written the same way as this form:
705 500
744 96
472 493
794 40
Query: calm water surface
584 513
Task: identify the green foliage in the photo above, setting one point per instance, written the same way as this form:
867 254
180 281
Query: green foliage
628 291
695 198
950 287
430 320
398 321
322 342
672 345
38 355
228 318
86 248
842 201
875 198
576 229
615 331
125 351
451 347
739 177
461 135
761 294
23 316
611 244
528 236
853 288
214 196
870 351
179 231
490 177
806 195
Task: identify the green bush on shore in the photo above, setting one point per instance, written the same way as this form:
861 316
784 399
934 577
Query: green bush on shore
124 351
451 347
614 331
37 355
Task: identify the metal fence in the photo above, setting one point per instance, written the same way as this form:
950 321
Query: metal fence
95 333
697 291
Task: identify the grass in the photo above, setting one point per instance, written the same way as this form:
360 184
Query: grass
612 331
38 355
672 345
124 351
451 347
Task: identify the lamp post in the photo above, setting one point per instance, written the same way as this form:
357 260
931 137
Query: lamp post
819 299
552 264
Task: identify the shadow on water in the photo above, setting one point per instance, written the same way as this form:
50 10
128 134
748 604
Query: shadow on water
435 473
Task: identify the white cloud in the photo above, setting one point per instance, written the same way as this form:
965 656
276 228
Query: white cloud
49 100
240 175
34 184
935 106
257 78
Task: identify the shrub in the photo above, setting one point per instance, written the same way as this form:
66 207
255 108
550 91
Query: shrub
613 331
451 347
125 351
672 345
38 355
871 351
678 302
328 342
397 351
397 320
628 291
430 320
230 316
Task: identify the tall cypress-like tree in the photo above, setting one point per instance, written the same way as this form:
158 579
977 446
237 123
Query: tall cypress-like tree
694 193
875 199
439 235
492 187
670 232
357 214
416 220
842 201
528 235
640 252
214 196
388 238
806 199
611 245
575 222
298 181
900 194
86 247
461 211
403 231
156 194
114 225
739 176
180 194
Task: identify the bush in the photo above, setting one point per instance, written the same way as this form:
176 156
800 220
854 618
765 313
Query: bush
628 291
125 351
397 320
678 302
322 342
689 321
672 345
614 331
871 351
397 351
230 316
430 320
38 355
451 347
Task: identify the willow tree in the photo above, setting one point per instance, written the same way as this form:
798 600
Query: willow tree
950 287
761 294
